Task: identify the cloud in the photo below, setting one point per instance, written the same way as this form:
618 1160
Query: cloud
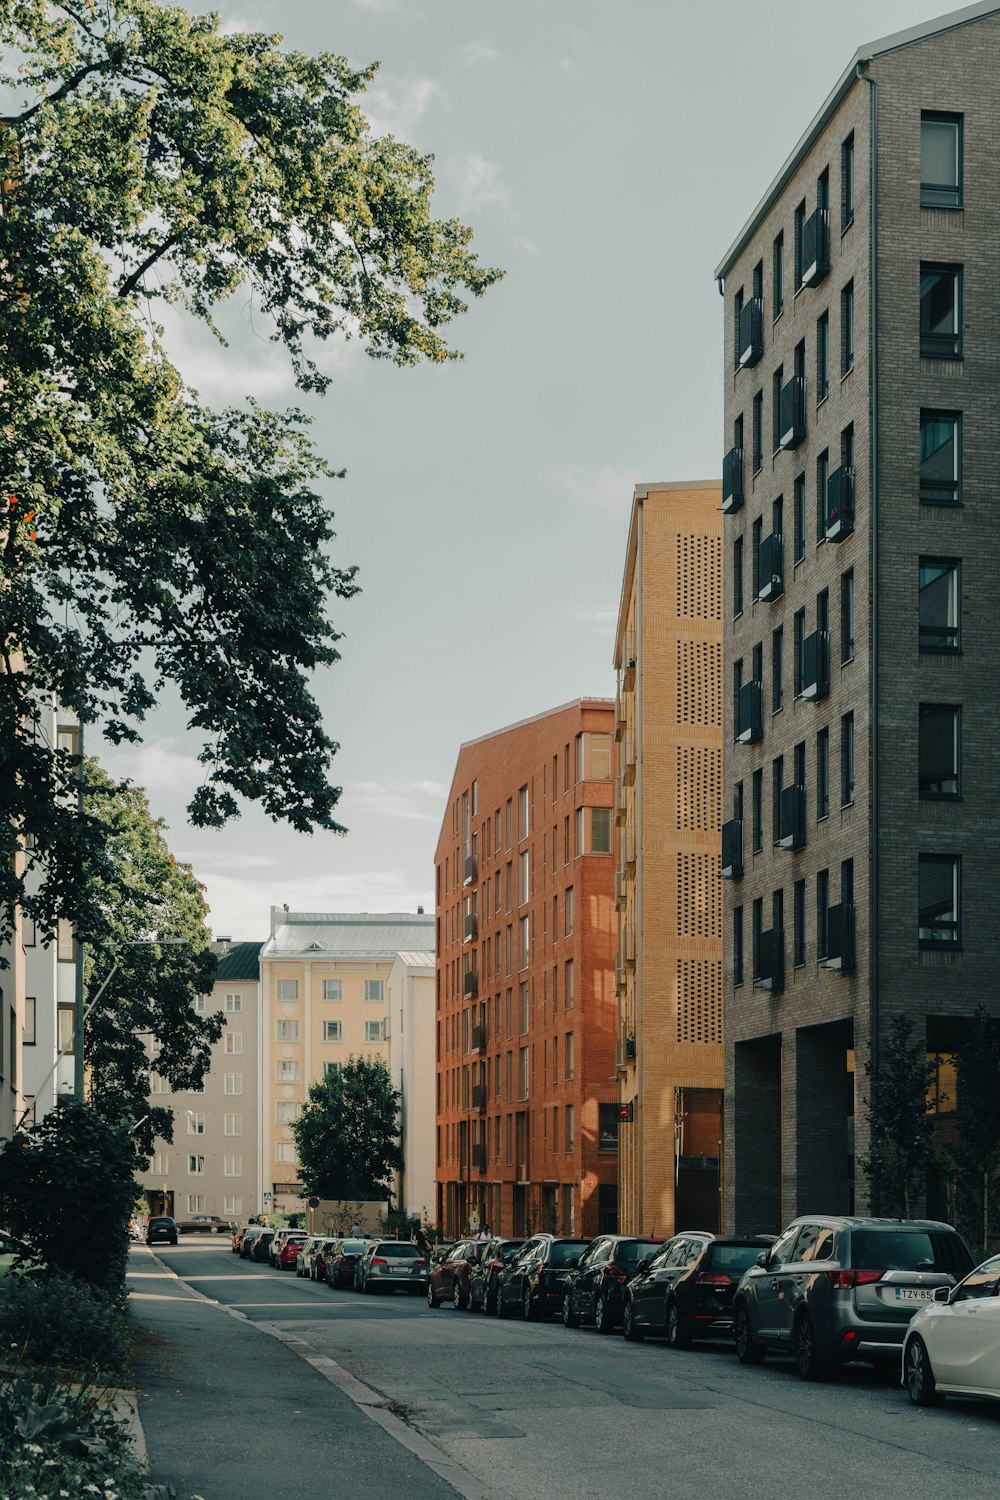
528 246
605 489
250 366
156 765
241 908
396 105
378 6
600 617
478 182
479 50
406 800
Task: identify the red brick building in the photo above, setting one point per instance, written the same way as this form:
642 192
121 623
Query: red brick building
527 1116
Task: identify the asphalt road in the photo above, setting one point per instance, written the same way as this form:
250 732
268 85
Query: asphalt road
539 1412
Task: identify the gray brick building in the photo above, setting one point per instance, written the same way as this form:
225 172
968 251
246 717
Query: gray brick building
861 630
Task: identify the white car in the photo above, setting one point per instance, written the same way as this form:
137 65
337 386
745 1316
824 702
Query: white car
953 1343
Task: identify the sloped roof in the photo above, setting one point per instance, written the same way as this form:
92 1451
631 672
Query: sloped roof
362 935
422 959
241 962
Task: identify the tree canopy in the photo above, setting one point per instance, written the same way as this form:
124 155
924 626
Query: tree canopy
899 1120
974 1155
148 542
347 1134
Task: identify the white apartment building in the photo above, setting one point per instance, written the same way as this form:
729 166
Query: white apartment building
410 1021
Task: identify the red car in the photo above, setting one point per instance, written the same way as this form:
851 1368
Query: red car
288 1255
450 1280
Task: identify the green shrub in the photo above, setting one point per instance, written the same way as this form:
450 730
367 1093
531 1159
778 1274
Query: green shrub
53 1441
54 1319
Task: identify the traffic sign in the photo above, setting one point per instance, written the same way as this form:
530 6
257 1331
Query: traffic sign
626 1112
313 1202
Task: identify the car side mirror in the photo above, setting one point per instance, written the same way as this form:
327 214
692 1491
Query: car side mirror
763 1259
643 1264
942 1294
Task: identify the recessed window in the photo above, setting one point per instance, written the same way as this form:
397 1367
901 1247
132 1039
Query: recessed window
777 670
333 1031
196 1124
822 774
847 329
737 945
600 830
287 1031
287 989
941 457
373 1031
758 432
284 1151
738 576
234 1042
287 1110
28 1035
940 750
233 1083
232 1124
333 989
234 1004
846 760
822 357
196 1166
778 276
938 895
374 991
232 1166
799 508
847 183
940 604
940 161
940 312
799 924
288 1072
847 616
822 915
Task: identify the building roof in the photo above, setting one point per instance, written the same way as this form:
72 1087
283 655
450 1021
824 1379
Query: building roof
547 713
423 959
241 962
361 935
844 84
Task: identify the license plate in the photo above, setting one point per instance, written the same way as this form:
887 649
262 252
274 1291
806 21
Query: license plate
914 1294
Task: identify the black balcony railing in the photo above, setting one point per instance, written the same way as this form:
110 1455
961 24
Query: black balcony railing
471 869
471 928
771 961
478 1039
732 480
771 567
470 984
816 247
792 413
816 665
732 849
630 1047
749 714
479 1097
840 953
479 1158
793 817
840 504
751 333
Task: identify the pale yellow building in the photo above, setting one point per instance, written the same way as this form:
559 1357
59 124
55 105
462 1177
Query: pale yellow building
668 728
411 1034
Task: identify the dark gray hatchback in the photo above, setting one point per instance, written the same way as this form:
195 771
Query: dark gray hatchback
836 1289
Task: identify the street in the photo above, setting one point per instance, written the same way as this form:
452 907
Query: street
536 1410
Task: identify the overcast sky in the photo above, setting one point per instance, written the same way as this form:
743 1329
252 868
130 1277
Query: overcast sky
606 155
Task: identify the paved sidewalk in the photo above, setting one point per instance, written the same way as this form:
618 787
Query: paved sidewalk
228 1411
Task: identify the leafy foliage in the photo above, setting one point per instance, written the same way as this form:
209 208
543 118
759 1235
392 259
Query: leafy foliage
55 1319
149 542
66 1187
975 1155
898 1119
346 1136
54 1441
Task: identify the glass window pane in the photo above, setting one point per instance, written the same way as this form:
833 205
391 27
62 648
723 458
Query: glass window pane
939 624
939 457
939 750
938 898
939 334
939 162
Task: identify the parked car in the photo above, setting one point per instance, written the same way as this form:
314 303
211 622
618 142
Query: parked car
239 1230
389 1265
594 1289
685 1291
953 1343
317 1264
280 1237
306 1251
287 1256
837 1289
485 1274
534 1279
449 1280
203 1224
441 1251
161 1230
251 1233
260 1247
341 1258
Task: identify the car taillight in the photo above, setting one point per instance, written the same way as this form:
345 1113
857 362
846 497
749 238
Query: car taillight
617 1274
418 1265
707 1278
851 1279
378 1261
496 1265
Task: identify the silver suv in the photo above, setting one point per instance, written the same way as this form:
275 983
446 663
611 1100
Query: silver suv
836 1289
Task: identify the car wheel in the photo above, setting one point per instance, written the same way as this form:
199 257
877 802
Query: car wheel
677 1335
603 1321
367 1287
457 1296
500 1309
918 1377
529 1308
747 1352
569 1317
432 1300
808 1361
631 1329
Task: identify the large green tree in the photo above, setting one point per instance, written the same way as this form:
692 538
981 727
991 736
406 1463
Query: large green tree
347 1135
146 541
975 1154
899 1120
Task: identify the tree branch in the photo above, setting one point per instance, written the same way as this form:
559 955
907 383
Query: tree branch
131 282
61 92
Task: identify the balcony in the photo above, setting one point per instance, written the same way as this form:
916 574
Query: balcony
792 413
479 1158
771 568
816 665
470 984
840 949
470 928
840 504
630 1049
732 481
629 764
619 889
749 714
619 801
619 718
628 666
751 333
471 869
793 818
816 247
478 1098
732 849
478 1039
771 961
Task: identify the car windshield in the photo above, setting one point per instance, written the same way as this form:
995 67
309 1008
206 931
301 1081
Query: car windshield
352 1247
566 1252
734 1257
161 1221
400 1251
630 1252
908 1250
509 1251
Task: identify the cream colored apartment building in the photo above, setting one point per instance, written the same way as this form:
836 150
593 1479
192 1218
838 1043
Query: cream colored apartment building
668 727
324 996
410 1032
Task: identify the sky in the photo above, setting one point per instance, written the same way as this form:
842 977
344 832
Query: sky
606 156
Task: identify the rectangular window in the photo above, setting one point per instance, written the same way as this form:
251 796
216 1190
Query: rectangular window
847 183
200 1005
758 432
522 813
286 989
287 1110
232 1203
523 953
847 329
232 1166
570 1055
822 774
940 160
373 1031
822 357
822 914
940 311
522 877
333 1031
799 923
333 989
757 536
232 1124
778 275
196 1203
777 669
196 1166
65 941
941 457
738 576
940 750
157 1084
600 830
234 1042
737 945
847 760
65 1031
233 1083
569 912
798 229
234 1004
938 895
196 1124
331 1069
940 604
523 1072
374 991
756 928
28 1034
569 1115
569 982
799 507
523 1009
284 1151
777 786
29 936
288 1072
822 493
847 616
757 799
777 381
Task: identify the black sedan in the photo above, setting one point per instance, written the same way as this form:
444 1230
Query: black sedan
162 1230
532 1282
485 1275
685 1291
595 1290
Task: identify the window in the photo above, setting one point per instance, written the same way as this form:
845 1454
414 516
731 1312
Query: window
522 877
940 604
569 911
822 493
757 535
737 320
65 1031
200 1005
157 1084
284 1151
940 312
232 1124
234 1041
940 161
196 1124
233 1083
758 432
737 945
234 1004
799 226
333 1031
288 1072
331 1069
65 941
196 1166
333 989
756 929
938 880
822 774
847 760
374 991
799 923
287 989
287 1110
822 914
523 1009
232 1166
777 381
757 800
28 1034
847 183
778 276
940 750
777 784
570 1055
822 357
232 1203
799 508
196 1203
847 616
522 813
600 830
523 934
777 669
569 982
607 1127
738 576
373 1031
523 1072
29 935
569 1115
941 458
847 329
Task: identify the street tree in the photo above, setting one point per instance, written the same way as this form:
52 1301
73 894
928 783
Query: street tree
975 1153
347 1134
148 543
899 1122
